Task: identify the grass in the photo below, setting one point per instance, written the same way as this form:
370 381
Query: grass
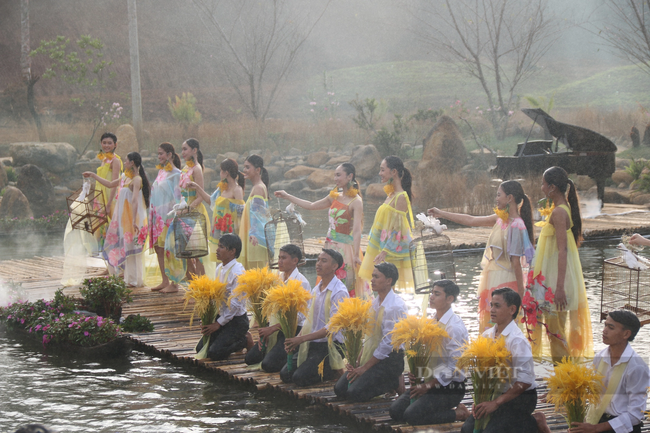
636 153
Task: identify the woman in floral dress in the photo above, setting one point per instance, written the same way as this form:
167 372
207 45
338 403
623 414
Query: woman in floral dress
345 218
255 215
509 249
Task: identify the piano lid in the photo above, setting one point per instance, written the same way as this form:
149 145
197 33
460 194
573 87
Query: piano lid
575 138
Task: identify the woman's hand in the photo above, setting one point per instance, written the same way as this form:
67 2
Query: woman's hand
381 257
637 239
357 261
281 194
434 212
253 240
88 174
560 297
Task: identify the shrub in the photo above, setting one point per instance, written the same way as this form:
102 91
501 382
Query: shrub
105 295
636 167
136 323
11 174
80 330
184 110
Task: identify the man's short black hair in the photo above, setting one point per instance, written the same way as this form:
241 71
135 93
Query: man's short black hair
338 258
449 287
293 251
232 242
389 270
629 321
511 297
108 135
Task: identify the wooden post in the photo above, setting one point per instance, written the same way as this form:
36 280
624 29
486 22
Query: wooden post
136 99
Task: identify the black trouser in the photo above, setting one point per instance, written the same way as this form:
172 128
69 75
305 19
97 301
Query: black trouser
230 338
434 407
514 416
307 373
272 360
379 379
607 417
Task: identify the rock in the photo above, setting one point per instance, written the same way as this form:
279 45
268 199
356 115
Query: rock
294 151
299 171
81 166
614 196
127 141
337 160
621 163
317 159
444 147
275 172
62 191
231 155
288 185
366 160
38 190
4 180
583 183
375 190
5 150
90 154
14 204
74 183
144 152
411 165
641 199
622 185
622 176
320 178
7 161
52 157
208 175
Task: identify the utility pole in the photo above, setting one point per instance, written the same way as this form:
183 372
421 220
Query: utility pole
26 67
136 99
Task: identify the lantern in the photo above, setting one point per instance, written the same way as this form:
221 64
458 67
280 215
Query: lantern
283 228
432 259
626 288
86 208
191 234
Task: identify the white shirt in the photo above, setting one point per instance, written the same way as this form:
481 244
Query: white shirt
295 275
445 370
523 366
237 305
629 402
339 292
394 310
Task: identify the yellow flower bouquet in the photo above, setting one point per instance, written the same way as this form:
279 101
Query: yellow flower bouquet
421 337
488 363
574 386
285 301
253 285
354 319
208 295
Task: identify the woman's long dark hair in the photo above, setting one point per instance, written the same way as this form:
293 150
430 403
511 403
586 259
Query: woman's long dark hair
395 163
350 170
136 159
257 162
193 143
558 176
514 188
169 148
230 166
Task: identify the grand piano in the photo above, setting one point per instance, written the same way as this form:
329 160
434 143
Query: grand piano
587 152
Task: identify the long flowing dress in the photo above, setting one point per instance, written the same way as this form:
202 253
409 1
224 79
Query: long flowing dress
573 324
507 239
226 217
165 193
341 238
78 245
254 218
127 234
391 232
187 176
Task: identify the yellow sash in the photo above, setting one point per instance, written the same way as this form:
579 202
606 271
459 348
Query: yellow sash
433 361
336 361
372 342
595 412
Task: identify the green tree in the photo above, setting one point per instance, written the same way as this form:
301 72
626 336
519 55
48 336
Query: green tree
184 110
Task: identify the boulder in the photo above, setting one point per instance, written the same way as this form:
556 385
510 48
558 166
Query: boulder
74 183
299 171
622 176
337 160
621 163
613 196
52 157
641 199
375 190
320 178
38 190
317 159
623 185
444 146
275 172
14 204
82 166
366 160
4 180
583 183
127 141
288 185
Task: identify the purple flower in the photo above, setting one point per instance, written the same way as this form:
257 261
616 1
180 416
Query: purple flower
87 334
87 318
22 321
71 325
37 327
61 315
30 330
9 316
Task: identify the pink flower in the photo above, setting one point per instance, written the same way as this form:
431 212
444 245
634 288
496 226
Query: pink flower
341 273
384 235
128 237
86 333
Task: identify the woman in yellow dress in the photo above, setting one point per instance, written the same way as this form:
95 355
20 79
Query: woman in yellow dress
345 224
227 202
509 249
255 216
110 170
557 296
192 174
390 235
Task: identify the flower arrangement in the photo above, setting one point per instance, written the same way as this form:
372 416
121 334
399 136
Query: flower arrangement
334 193
488 361
208 295
574 386
503 214
389 188
285 301
105 295
545 210
354 319
253 285
421 337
